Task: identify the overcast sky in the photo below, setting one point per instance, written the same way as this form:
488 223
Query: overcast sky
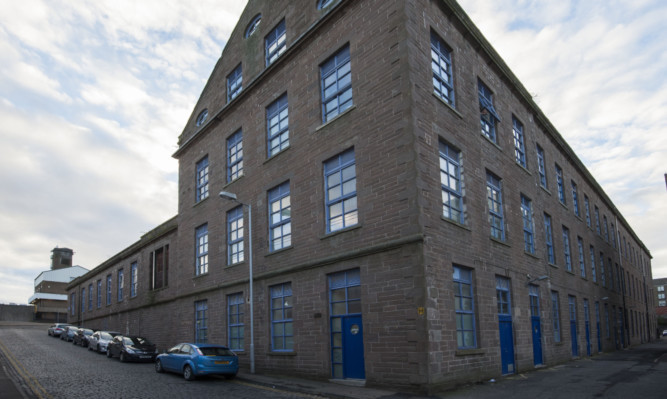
93 96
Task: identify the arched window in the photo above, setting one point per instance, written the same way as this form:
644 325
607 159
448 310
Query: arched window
253 25
324 3
202 117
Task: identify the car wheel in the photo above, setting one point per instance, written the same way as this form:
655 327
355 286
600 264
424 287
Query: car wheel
158 366
188 374
109 355
122 357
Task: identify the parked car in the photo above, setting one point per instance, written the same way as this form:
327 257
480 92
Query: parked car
132 348
100 339
81 337
664 333
68 334
56 329
193 360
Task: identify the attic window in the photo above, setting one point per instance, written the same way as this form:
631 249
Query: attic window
253 25
324 4
202 117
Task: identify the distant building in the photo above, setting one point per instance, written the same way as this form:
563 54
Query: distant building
50 298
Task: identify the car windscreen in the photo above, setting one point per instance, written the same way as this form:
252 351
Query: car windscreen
106 336
216 351
136 341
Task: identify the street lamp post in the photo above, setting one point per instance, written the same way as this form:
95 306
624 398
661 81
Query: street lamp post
232 197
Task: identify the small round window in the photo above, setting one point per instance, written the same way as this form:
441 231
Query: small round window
202 117
253 25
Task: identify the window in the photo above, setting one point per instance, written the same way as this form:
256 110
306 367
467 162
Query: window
582 263
555 315
72 303
541 168
450 182
83 299
201 250
280 217
662 303
202 180
109 289
613 236
277 121
527 215
336 79
234 86
464 304
606 228
593 271
276 43
235 156
575 199
587 208
488 115
597 220
661 288
133 279
340 186
559 182
519 147
235 321
549 239
201 118
324 3
566 249
201 322
253 25
534 297
121 282
344 299
441 64
158 268
494 199
99 293
282 332
90 296
235 250
503 296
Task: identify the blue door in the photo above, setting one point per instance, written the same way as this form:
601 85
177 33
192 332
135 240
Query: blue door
347 342
597 325
588 328
505 325
573 325
353 348
536 329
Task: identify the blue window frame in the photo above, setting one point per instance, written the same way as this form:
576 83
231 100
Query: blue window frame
201 322
99 293
72 303
235 249
503 298
234 83
613 236
603 274
606 228
488 115
561 185
133 279
519 146
201 250
109 289
541 166
534 298
276 43
555 309
253 25
566 249
336 79
282 329
202 180
235 303
340 186
280 217
549 239
575 198
441 64
324 3
345 293
495 204
587 209
582 263
593 262
201 118
90 296
597 220
83 299
450 182
235 156
464 305
527 215
121 282
277 121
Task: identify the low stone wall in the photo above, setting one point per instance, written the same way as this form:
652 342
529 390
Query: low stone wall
16 313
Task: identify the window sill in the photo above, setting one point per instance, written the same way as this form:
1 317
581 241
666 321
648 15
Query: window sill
545 189
469 352
455 223
448 105
278 353
233 181
523 168
272 157
532 255
197 276
553 265
563 205
491 141
278 251
329 122
570 272
236 264
345 230
503 243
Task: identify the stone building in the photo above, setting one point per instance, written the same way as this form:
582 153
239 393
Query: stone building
411 216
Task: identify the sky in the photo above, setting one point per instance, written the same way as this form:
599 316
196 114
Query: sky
94 94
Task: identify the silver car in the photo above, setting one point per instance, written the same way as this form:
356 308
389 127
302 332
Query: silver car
100 340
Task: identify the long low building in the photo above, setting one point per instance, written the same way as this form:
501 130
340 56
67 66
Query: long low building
394 208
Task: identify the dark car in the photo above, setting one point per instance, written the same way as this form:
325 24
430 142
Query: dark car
100 339
193 360
81 337
132 348
56 329
69 333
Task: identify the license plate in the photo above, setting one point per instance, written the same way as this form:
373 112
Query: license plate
222 362
145 357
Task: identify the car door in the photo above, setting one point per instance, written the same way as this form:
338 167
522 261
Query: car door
169 361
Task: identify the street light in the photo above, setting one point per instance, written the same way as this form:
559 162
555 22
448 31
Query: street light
232 197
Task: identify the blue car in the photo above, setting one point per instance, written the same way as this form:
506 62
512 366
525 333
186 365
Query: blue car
194 360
